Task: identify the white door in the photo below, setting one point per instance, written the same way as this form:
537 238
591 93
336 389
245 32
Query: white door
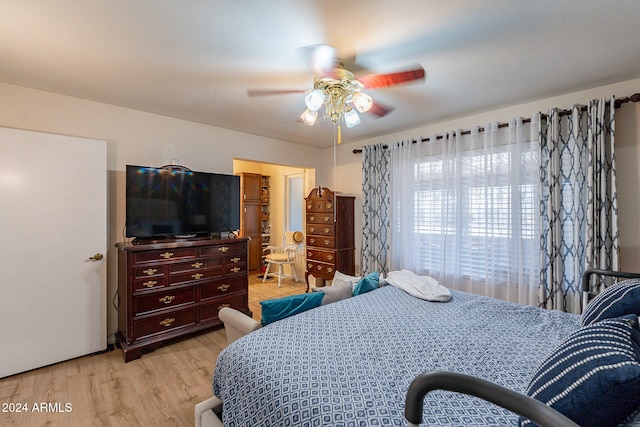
53 219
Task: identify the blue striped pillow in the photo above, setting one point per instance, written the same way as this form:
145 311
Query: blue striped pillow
593 377
618 300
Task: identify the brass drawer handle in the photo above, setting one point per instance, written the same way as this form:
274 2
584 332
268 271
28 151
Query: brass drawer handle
312 240
150 283
197 264
326 218
329 205
311 218
326 242
235 260
223 306
168 321
309 266
326 230
197 276
309 254
309 205
235 269
312 229
167 299
319 267
167 255
224 287
150 271
329 257
223 249
330 269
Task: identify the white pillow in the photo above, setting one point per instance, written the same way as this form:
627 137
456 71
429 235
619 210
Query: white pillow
339 278
335 292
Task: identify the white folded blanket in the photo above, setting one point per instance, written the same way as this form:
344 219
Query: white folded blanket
423 287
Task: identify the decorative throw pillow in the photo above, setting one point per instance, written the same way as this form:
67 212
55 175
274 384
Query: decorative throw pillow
336 292
617 300
341 277
593 377
280 308
366 284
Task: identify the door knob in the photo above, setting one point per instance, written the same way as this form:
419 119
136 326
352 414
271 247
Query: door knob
97 257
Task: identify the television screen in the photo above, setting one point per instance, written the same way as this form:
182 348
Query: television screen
181 203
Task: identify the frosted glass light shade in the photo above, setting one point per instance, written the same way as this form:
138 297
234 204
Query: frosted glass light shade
314 100
362 101
351 118
309 117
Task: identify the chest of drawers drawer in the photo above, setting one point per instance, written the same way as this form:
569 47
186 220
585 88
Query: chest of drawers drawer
164 255
164 299
320 218
195 265
217 288
195 275
208 311
320 255
165 322
321 269
321 241
321 229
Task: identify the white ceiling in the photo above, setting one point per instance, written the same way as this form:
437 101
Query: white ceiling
195 59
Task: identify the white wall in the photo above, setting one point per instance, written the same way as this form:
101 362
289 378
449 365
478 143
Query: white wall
349 166
136 137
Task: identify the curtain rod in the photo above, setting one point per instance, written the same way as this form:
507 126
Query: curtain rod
618 103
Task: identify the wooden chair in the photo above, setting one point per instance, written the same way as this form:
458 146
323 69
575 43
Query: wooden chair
283 255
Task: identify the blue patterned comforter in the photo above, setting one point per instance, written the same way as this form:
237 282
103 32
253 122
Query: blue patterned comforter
350 363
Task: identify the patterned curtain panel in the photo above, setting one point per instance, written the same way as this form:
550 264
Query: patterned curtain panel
375 209
579 221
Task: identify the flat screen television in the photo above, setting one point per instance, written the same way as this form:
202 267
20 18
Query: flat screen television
177 202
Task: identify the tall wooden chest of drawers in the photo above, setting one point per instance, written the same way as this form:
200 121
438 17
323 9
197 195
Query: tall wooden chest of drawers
330 235
166 290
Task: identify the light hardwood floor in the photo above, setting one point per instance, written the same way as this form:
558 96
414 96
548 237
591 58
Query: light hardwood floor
159 389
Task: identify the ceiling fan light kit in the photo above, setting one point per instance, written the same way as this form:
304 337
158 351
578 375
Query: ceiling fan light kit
339 93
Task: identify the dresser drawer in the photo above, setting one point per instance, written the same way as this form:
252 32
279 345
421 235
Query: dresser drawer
321 241
320 269
319 218
147 283
164 299
221 287
193 275
196 264
319 206
164 322
153 270
318 255
237 259
222 250
209 312
163 255
235 269
321 229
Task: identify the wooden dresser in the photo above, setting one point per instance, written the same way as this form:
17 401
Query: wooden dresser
169 289
330 235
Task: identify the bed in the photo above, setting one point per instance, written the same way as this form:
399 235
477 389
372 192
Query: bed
352 362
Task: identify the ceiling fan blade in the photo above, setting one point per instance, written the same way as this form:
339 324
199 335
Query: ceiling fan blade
263 92
379 110
321 58
372 81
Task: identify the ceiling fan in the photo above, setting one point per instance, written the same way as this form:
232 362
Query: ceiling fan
340 91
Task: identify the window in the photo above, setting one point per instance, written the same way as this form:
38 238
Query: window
475 214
